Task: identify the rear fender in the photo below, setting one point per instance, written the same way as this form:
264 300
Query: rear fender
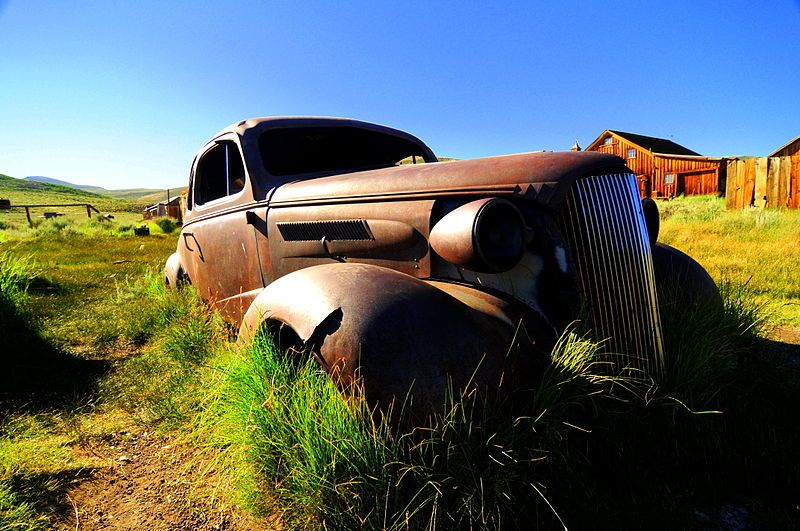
390 333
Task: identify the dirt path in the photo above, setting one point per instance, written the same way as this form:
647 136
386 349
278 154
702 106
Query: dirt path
787 334
146 482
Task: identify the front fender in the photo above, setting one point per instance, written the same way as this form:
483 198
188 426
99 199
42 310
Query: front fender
390 333
174 273
680 278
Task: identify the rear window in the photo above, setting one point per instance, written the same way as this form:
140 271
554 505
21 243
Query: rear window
300 150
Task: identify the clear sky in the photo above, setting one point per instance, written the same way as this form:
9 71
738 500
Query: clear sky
122 94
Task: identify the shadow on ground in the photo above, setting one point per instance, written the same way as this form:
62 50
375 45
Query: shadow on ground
35 375
46 492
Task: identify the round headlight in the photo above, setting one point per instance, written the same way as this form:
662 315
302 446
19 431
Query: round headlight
487 235
499 235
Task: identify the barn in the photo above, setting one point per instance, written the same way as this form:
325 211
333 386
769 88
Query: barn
172 208
663 167
792 149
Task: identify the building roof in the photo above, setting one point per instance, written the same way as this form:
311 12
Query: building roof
655 144
786 145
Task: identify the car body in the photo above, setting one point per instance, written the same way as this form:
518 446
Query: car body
401 272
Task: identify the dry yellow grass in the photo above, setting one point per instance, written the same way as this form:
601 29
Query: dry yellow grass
758 247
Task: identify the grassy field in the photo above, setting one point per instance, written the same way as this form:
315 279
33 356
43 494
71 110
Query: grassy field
130 405
755 247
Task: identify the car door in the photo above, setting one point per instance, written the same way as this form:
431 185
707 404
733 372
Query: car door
218 246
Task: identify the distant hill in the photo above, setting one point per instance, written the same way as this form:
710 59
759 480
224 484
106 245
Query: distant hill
25 191
143 196
50 180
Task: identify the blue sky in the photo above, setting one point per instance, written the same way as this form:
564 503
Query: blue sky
122 94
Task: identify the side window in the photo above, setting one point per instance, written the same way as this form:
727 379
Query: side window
220 173
631 153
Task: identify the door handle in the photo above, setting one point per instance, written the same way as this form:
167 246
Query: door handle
260 225
186 236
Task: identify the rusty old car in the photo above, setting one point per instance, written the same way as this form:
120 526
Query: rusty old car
401 272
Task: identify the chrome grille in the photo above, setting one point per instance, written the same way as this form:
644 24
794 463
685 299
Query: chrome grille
605 230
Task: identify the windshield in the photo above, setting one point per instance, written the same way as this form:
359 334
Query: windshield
301 150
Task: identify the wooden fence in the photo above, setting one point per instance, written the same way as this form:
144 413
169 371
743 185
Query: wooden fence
764 182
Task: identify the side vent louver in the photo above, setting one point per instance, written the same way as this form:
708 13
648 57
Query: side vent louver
305 231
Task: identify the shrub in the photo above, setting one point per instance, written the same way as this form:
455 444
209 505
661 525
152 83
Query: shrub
54 227
167 225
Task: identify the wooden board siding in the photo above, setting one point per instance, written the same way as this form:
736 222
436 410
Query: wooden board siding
764 182
790 150
700 183
642 164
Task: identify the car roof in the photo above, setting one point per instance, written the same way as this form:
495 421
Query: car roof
257 125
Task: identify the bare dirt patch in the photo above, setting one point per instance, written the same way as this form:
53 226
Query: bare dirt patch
787 334
145 482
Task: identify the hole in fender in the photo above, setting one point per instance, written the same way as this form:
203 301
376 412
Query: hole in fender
287 341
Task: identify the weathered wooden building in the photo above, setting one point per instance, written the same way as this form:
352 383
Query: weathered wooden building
792 149
663 168
765 182
172 208
789 192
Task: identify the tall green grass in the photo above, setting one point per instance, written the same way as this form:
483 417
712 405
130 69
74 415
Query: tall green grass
324 461
177 335
16 275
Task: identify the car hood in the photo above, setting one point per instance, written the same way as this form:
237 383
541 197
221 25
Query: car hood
542 177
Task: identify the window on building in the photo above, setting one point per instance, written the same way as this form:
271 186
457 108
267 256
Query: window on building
669 178
631 153
608 141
